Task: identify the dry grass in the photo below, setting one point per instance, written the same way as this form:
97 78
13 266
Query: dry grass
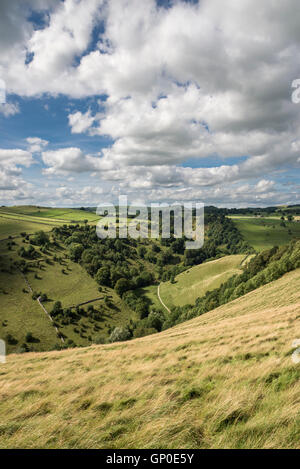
223 380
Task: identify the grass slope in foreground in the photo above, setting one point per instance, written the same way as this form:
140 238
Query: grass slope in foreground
222 380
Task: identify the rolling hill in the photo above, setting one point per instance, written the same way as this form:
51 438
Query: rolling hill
14 220
196 281
222 380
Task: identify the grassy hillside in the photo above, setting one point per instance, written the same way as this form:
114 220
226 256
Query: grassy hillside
14 220
222 380
264 233
62 280
196 281
13 226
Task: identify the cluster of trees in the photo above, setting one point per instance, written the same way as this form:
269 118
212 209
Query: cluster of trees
29 253
73 315
222 237
265 211
152 324
122 263
128 265
40 239
115 263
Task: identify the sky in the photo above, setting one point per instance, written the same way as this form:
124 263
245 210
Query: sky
162 101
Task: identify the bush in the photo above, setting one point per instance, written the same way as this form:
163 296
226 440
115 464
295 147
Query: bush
10 339
29 337
155 320
122 286
57 308
40 238
99 340
23 349
120 334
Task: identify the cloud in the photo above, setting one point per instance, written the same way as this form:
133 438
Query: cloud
80 123
36 144
68 160
12 158
194 82
9 109
11 162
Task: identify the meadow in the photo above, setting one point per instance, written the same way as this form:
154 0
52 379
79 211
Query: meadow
15 220
264 233
223 380
197 280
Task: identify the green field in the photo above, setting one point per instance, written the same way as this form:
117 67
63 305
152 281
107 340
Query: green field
196 281
264 233
48 212
13 226
20 314
15 220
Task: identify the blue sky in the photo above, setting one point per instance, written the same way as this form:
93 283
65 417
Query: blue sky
162 101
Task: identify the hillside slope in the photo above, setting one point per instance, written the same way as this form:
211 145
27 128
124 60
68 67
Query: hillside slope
196 281
222 380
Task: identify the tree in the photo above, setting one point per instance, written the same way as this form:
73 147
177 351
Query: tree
75 251
103 276
120 334
41 238
122 285
57 308
155 320
29 337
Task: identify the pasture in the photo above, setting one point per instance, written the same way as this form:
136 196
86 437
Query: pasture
197 280
264 233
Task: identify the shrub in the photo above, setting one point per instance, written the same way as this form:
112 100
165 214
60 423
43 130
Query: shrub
29 337
120 334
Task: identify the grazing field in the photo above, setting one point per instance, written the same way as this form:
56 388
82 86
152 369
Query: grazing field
20 315
48 212
13 226
196 281
223 380
14 220
264 233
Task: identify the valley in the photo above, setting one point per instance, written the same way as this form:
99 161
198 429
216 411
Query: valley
222 380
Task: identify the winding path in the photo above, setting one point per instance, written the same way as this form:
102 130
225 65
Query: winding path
159 297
